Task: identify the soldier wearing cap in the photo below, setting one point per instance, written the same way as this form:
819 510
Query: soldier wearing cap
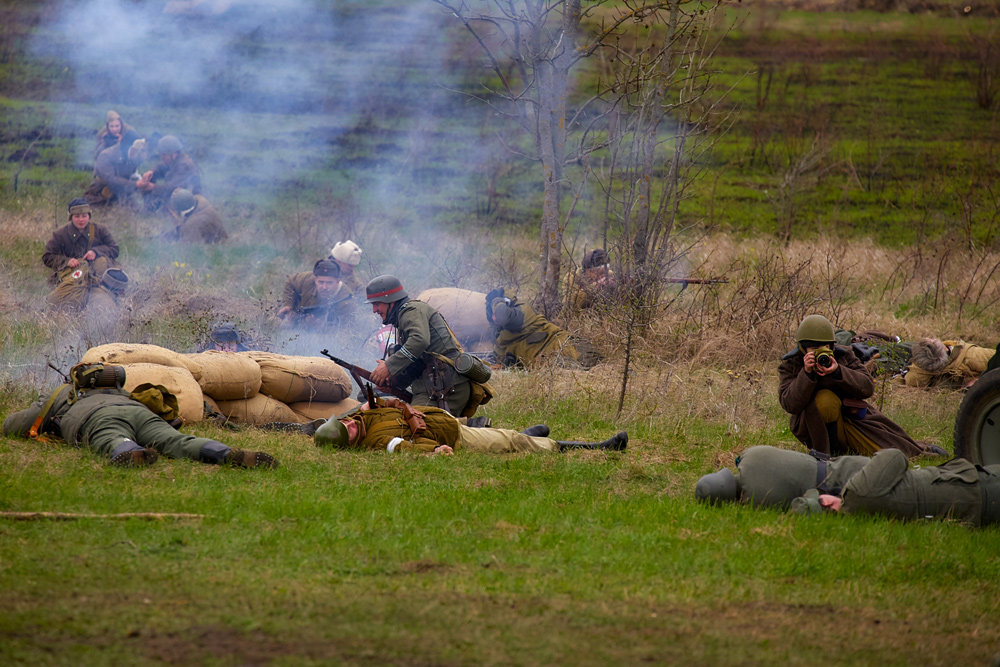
176 170
347 255
395 426
426 350
197 220
82 257
593 282
823 387
316 299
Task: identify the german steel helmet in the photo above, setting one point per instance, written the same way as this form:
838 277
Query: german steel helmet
333 433
815 328
385 289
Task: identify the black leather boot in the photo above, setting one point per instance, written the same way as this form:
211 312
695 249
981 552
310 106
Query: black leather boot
537 431
617 443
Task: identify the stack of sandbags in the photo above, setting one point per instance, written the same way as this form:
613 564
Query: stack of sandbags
225 376
465 312
138 353
310 410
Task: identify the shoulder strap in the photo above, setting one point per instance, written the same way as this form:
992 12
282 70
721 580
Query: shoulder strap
40 419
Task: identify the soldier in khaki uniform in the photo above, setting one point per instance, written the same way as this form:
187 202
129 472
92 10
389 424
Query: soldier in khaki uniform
946 363
316 299
592 283
197 220
81 255
395 426
523 337
95 412
114 169
426 350
176 170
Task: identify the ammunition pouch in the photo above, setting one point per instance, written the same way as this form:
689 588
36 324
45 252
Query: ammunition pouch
439 381
480 394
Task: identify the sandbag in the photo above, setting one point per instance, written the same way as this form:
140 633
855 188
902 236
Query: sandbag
294 379
309 411
138 353
178 382
258 410
226 376
464 310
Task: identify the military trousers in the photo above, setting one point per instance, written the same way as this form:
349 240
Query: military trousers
831 410
109 426
502 441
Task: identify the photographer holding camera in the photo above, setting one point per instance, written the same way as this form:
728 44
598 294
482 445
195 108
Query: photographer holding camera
824 386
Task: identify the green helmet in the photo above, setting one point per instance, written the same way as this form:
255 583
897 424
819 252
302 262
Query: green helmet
717 487
815 328
385 289
182 200
168 143
332 434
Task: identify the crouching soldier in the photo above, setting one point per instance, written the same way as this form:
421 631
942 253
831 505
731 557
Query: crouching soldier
197 220
523 337
395 426
94 411
82 257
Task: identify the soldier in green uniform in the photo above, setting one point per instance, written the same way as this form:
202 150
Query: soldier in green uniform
523 337
316 299
772 477
426 350
396 426
823 387
95 412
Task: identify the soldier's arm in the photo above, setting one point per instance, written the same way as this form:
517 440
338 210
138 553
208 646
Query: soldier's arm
289 295
855 381
397 445
104 244
418 336
796 387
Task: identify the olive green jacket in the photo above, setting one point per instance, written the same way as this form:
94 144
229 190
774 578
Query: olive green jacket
380 426
534 339
64 419
773 477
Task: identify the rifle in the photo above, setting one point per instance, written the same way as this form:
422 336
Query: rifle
684 282
362 375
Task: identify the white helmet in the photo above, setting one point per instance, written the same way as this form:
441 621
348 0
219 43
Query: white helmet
347 252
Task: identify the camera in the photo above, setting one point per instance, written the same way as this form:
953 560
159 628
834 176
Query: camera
823 357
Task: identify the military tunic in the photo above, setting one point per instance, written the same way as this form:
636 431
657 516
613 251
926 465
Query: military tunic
112 177
773 477
956 490
202 225
386 428
424 337
966 363
68 243
798 392
102 420
529 337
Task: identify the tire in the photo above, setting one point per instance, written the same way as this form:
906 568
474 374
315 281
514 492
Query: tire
977 427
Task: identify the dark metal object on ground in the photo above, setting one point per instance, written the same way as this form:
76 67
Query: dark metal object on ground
362 375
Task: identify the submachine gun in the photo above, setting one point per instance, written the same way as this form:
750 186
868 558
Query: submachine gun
684 282
363 376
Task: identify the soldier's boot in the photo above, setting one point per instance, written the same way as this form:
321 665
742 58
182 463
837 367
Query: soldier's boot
239 458
537 431
616 443
836 446
478 422
130 455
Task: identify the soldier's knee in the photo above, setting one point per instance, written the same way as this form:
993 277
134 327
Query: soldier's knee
828 404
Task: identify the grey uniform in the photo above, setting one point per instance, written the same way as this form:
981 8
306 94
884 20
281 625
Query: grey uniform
773 477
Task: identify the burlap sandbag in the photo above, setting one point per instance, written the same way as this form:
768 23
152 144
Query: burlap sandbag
139 353
226 376
258 410
294 379
309 411
177 380
464 310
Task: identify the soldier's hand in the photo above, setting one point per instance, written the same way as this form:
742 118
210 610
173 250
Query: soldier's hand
829 369
444 450
380 376
90 256
73 263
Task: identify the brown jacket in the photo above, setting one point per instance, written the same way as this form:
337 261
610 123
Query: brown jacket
113 171
202 225
301 296
181 173
68 243
797 388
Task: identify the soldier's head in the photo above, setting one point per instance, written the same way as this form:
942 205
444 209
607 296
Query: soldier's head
337 433
596 258
930 354
113 122
383 293
79 212
347 255
168 147
225 337
326 275
182 201
814 331
137 151
717 487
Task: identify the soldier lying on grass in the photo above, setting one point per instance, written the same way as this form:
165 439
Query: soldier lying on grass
95 411
396 426
883 485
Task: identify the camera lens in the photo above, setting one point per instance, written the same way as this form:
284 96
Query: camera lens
824 361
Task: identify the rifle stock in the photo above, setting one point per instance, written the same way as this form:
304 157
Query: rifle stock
362 375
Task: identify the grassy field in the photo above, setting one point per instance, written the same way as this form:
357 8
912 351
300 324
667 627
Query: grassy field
311 127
